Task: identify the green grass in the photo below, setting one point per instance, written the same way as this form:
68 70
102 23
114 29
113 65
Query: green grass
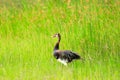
91 28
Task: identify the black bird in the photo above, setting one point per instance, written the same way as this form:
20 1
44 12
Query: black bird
63 56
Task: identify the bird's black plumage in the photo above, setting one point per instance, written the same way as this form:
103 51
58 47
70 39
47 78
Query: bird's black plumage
64 56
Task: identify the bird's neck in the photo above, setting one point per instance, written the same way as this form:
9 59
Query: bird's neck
57 44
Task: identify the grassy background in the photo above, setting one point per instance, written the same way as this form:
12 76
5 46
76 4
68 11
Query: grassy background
91 28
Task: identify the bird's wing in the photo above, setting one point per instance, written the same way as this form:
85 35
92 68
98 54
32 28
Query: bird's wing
70 55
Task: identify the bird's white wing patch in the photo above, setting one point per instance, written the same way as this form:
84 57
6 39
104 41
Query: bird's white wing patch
63 61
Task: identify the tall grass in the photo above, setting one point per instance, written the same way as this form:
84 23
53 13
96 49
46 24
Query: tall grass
89 27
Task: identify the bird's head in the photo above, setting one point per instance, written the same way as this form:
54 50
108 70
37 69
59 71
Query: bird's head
56 35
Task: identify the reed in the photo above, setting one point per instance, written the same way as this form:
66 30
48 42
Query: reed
90 28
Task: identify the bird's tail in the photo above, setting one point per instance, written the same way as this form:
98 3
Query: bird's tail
76 56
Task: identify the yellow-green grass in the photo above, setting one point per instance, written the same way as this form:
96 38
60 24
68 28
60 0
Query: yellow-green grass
91 28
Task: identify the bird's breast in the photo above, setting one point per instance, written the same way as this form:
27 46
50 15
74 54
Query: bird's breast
56 55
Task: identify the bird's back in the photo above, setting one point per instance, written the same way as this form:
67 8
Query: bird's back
66 55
